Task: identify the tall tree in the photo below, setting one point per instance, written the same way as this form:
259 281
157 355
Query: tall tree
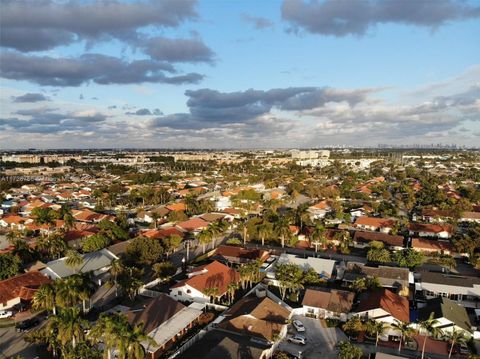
430 326
405 330
318 236
69 326
45 298
74 260
455 337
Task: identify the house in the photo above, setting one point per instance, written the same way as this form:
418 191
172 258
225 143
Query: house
470 217
384 306
194 225
215 217
20 289
362 239
86 215
164 320
327 303
324 267
319 210
431 230
258 317
15 222
212 275
239 255
449 314
435 215
219 344
163 232
96 262
394 278
464 290
429 246
177 207
374 224
148 216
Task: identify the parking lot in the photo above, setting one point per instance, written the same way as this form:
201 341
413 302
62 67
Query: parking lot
320 339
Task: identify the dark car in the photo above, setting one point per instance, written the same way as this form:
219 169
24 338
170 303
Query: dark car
26 325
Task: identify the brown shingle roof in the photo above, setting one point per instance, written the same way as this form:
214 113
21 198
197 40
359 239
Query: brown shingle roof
338 301
258 317
388 239
158 311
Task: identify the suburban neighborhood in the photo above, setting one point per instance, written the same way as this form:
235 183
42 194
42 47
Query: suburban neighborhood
240 254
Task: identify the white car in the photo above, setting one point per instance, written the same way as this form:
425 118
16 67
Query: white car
5 314
298 339
298 326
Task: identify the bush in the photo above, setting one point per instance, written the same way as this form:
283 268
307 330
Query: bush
234 242
293 297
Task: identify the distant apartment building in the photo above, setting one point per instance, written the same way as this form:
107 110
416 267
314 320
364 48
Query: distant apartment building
310 157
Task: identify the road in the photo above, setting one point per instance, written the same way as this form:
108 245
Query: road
12 343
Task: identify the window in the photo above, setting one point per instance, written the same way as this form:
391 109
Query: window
189 291
179 292
310 310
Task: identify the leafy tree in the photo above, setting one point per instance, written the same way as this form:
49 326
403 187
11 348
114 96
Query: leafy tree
318 236
282 229
347 350
311 277
143 250
171 243
408 258
177 216
353 326
44 215
130 280
53 246
9 265
112 231
164 270
95 243
379 255
205 236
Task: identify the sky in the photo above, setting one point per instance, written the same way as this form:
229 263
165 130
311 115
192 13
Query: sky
238 73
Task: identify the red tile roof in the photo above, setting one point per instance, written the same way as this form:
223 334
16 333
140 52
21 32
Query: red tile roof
430 227
429 244
193 224
23 286
374 222
390 302
217 275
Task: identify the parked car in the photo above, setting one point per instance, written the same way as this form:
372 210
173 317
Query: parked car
298 339
26 325
298 326
5 314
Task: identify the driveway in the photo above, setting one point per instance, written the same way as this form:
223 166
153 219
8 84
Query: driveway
321 340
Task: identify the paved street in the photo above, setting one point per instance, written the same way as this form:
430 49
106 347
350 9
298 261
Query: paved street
12 343
321 340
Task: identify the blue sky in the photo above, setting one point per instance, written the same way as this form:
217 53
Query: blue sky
290 73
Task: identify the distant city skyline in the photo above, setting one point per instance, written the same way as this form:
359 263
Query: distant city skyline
247 74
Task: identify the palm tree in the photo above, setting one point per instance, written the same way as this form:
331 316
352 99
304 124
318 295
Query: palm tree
116 267
211 292
456 337
353 326
54 245
217 229
231 289
406 331
318 236
264 229
74 259
376 328
205 236
430 325
105 330
131 342
45 298
282 228
347 350
345 241
69 326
